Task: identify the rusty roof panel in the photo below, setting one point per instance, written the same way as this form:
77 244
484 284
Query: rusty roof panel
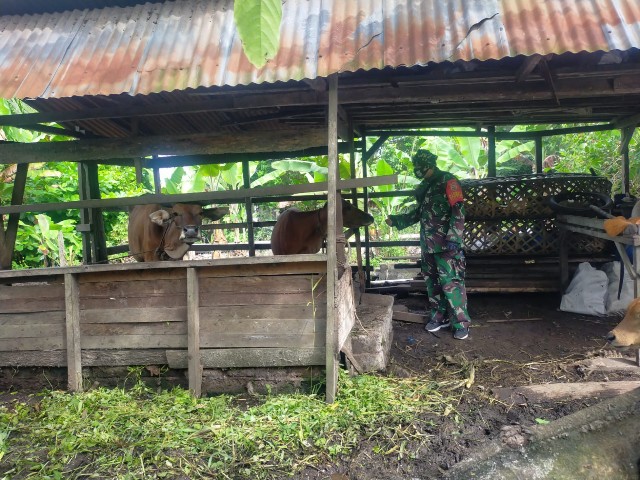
185 44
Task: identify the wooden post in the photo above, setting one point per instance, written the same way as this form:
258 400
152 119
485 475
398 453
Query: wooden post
564 258
366 154
248 206
94 244
72 319
193 332
365 200
8 236
539 154
331 351
85 218
626 135
491 137
354 197
636 268
157 182
98 238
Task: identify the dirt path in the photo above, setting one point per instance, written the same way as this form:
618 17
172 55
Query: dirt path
549 348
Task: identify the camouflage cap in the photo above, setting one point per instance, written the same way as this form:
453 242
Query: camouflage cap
424 159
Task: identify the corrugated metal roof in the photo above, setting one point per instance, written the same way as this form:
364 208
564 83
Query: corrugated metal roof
193 43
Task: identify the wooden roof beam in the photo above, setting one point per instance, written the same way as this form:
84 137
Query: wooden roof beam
529 64
452 92
630 121
291 139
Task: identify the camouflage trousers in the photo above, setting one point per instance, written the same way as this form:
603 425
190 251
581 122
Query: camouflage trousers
444 277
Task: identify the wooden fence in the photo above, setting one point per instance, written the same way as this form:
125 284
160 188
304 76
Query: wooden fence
225 313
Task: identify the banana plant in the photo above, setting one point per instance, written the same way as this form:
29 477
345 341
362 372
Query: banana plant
41 243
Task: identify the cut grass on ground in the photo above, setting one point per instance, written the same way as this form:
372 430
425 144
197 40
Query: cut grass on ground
137 433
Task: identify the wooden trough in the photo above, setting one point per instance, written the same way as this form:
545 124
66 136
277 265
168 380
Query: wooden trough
205 314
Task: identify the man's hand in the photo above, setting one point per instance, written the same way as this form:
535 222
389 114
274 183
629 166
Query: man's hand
451 246
389 222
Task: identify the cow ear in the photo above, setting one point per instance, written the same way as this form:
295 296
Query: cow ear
160 217
215 213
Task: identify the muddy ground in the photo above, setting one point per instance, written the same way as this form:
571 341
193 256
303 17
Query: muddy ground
537 344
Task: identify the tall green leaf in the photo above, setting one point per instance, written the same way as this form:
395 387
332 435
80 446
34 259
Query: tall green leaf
258 24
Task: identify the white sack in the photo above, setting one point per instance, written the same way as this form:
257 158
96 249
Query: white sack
612 269
587 291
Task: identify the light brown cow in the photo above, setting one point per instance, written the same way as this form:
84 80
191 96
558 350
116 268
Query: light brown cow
161 233
627 332
297 232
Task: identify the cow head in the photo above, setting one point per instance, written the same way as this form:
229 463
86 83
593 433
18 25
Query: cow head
627 333
353 217
182 224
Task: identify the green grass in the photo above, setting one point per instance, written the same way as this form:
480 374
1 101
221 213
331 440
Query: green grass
137 433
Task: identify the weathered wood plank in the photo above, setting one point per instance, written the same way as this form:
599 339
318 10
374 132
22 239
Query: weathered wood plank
177 275
555 392
37 358
228 325
264 312
207 340
32 331
218 358
263 326
409 317
270 284
152 287
10 293
134 301
210 197
147 328
271 340
106 358
179 314
258 298
29 305
40 343
251 357
134 315
193 333
134 341
263 269
33 318
209 299
276 264
90 358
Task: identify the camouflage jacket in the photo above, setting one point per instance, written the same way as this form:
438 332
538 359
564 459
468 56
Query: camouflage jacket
440 211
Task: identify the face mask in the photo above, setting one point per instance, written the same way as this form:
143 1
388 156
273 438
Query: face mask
423 172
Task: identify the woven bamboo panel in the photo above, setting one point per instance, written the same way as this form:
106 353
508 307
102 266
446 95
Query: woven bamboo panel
524 237
524 196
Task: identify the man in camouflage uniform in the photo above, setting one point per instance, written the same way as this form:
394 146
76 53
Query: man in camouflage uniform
440 210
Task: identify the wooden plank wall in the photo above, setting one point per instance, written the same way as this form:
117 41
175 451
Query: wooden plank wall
248 316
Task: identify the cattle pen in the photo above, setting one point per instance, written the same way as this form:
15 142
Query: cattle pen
146 86
224 314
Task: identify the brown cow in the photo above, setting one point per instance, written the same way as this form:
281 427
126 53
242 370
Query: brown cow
627 332
160 233
297 232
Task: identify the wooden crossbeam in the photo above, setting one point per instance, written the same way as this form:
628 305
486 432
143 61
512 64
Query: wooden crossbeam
203 197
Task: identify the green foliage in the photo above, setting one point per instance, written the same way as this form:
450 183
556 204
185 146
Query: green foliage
600 151
258 24
39 243
139 433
